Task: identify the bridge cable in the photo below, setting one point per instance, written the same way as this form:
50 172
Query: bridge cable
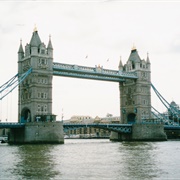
13 83
162 115
170 108
8 82
174 111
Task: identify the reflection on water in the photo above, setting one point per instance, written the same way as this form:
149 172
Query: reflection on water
91 159
139 160
35 161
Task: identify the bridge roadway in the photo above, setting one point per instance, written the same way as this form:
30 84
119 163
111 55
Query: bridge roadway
123 128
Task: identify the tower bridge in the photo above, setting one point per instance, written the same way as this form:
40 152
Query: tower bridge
35 94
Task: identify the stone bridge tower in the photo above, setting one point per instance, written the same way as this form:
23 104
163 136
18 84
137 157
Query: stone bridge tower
35 93
135 95
35 96
135 102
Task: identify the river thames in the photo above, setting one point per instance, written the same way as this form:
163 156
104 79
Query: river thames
91 159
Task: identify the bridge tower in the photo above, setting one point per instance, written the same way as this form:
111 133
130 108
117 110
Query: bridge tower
35 93
135 95
135 102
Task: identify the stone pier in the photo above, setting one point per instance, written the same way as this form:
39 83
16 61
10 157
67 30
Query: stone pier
142 132
38 132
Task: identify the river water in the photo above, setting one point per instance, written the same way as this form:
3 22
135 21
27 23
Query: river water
93 159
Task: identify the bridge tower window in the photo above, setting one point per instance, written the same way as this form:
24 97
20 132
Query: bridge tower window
133 65
45 108
42 51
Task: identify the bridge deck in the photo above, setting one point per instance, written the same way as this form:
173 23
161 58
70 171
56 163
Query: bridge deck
126 128
123 128
12 125
97 73
171 127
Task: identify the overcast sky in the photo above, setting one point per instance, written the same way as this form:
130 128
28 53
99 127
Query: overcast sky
102 30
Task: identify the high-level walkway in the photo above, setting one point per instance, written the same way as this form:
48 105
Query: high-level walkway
97 73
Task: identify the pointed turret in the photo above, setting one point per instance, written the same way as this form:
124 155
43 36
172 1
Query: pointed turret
35 39
50 47
147 60
134 56
49 43
20 51
120 65
20 48
35 42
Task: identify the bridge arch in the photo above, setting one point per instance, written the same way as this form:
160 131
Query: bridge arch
131 118
25 115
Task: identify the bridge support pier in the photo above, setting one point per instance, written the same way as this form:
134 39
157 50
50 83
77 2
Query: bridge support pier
116 136
142 132
38 132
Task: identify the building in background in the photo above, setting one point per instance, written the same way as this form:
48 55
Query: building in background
90 132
